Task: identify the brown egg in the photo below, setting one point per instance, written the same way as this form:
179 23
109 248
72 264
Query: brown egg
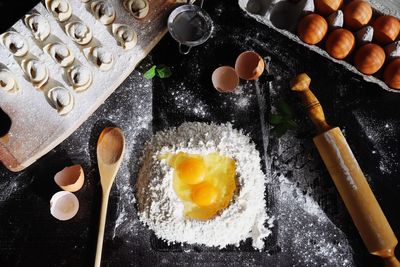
249 65
327 7
386 29
391 75
369 58
340 43
357 14
225 79
70 178
312 29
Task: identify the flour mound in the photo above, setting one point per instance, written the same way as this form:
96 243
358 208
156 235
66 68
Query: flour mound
161 210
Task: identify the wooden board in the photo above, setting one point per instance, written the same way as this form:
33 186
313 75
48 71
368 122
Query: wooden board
36 126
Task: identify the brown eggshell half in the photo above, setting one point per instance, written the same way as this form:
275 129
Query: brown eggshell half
249 65
225 79
70 178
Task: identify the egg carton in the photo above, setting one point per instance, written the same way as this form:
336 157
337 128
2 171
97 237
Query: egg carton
42 114
283 16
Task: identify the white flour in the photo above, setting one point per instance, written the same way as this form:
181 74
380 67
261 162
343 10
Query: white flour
342 165
161 210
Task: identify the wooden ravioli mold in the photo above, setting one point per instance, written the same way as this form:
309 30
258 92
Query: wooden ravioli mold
50 85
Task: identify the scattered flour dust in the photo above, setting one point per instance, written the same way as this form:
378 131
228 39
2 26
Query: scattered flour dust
161 210
306 232
330 139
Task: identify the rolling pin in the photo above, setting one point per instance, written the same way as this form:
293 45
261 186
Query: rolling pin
349 180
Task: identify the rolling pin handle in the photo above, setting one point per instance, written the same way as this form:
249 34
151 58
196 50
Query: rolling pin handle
391 262
301 84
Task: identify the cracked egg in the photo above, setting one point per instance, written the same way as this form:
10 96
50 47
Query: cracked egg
204 183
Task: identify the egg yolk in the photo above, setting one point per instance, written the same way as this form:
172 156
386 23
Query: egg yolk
204 183
204 194
191 170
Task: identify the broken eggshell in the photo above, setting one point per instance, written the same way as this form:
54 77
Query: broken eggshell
249 65
70 178
64 205
225 79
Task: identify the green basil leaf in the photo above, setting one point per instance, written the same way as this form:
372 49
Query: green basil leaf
284 109
291 124
279 130
163 71
275 119
151 73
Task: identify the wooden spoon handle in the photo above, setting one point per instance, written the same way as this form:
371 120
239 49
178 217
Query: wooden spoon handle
100 237
301 84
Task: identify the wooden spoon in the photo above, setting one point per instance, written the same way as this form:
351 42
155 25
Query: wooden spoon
110 151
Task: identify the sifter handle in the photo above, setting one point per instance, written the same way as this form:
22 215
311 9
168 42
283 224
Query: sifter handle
301 84
191 2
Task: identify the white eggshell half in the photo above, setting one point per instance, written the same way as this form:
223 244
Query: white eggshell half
70 178
64 205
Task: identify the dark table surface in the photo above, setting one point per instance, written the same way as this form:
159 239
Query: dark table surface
312 227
